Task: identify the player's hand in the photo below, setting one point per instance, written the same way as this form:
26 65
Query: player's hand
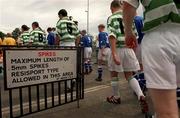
130 40
116 60
103 54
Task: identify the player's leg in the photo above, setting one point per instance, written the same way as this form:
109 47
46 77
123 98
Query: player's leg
134 84
89 59
100 69
86 66
97 50
115 98
132 65
101 59
141 80
160 62
163 99
86 60
115 69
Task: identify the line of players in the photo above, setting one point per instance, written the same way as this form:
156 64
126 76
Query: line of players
121 59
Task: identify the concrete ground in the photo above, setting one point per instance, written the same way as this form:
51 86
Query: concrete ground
94 104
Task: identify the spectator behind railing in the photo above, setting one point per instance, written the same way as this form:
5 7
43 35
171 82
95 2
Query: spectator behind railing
37 35
25 35
0 41
50 37
9 40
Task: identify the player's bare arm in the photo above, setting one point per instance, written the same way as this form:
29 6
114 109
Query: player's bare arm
128 16
112 41
57 40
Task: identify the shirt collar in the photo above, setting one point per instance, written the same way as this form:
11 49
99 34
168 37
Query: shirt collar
119 11
65 18
37 28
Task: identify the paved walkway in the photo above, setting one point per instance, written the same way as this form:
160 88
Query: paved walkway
94 105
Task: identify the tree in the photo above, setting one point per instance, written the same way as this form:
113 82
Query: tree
16 33
2 35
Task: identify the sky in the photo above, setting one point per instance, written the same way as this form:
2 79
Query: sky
15 13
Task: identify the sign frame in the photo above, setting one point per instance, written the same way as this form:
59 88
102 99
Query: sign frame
33 48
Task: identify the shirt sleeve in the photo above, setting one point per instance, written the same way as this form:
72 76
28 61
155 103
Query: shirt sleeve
111 29
58 31
134 3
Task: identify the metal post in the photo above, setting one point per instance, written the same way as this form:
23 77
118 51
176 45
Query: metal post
52 93
78 77
10 103
87 16
59 92
21 101
45 96
82 72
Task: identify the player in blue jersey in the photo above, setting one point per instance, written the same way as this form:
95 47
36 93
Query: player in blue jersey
138 21
51 36
86 42
104 50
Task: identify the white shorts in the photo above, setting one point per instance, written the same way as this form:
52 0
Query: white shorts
67 43
161 57
128 61
87 52
104 55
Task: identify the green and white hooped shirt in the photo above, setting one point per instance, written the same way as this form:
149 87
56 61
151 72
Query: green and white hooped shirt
38 37
115 28
24 37
67 30
158 12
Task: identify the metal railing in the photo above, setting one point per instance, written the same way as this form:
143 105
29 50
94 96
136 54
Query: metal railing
31 99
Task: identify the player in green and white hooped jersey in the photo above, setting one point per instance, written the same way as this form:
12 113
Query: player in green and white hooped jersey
160 51
122 59
67 30
67 34
37 35
24 37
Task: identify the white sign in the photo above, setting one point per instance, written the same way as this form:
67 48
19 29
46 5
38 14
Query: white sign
29 67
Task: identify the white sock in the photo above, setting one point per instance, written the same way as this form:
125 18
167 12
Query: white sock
136 88
115 87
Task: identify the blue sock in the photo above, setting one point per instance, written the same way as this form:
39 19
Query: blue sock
100 70
90 66
86 67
